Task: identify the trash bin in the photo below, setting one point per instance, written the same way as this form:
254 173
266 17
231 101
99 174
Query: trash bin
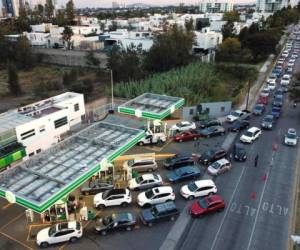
91 215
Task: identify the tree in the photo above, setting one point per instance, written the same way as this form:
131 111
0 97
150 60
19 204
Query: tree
67 36
91 59
49 9
23 23
170 50
70 12
189 24
229 50
60 18
24 57
231 16
228 30
13 80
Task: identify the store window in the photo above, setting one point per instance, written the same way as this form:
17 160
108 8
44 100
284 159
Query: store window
27 134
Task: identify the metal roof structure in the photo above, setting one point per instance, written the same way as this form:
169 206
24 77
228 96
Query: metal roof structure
151 106
51 175
11 119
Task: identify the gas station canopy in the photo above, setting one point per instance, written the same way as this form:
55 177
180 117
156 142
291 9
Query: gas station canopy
51 175
151 106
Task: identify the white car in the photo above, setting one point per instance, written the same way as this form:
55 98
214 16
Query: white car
156 195
62 232
113 197
219 167
198 189
264 93
292 60
251 135
272 79
290 64
291 137
235 115
285 80
145 181
272 85
285 53
183 126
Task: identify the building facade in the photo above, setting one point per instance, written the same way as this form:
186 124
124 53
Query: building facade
215 6
271 6
11 8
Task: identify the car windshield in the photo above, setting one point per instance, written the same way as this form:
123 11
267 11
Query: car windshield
216 165
235 113
192 187
258 107
149 194
272 77
203 203
52 230
156 177
241 151
278 99
139 179
107 220
291 136
268 119
105 194
211 129
179 124
180 171
209 153
154 211
249 134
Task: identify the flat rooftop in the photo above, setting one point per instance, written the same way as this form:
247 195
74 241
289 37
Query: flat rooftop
49 176
151 106
11 119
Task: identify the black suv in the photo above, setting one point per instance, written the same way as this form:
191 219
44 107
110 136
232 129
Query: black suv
178 161
212 155
116 221
208 123
95 187
239 152
159 212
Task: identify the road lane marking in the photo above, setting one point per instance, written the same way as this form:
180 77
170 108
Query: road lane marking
7 206
14 239
11 221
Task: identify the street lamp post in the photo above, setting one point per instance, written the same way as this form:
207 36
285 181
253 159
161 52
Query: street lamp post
112 92
248 94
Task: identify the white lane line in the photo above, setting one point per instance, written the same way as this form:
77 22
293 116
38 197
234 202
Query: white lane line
227 210
259 204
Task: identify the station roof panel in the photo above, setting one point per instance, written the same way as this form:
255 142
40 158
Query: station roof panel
151 106
47 177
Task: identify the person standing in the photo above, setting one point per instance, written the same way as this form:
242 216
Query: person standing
256 161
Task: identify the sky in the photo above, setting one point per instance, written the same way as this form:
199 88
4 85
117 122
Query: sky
108 3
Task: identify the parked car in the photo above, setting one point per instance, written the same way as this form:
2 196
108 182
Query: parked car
238 126
187 136
207 205
251 135
264 93
263 100
291 137
114 197
159 212
145 181
198 189
259 109
272 85
212 131
233 116
268 122
183 126
208 123
239 152
285 80
276 111
278 100
212 155
156 195
141 165
115 222
289 70
95 187
184 173
219 167
279 91
179 160
272 79
61 232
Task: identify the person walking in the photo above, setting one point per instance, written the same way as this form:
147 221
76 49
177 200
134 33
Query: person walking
256 161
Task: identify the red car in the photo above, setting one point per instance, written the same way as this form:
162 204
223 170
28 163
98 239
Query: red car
206 205
263 100
187 136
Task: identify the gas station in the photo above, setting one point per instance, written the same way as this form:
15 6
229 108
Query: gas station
44 182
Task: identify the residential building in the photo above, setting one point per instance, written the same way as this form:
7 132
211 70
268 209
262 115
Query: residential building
274 5
207 40
215 6
11 7
36 127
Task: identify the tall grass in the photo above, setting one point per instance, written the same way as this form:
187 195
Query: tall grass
196 82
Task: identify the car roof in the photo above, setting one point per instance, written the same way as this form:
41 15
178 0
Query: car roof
253 129
148 176
269 116
189 168
163 189
67 225
292 131
223 161
170 205
185 122
201 183
123 216
213 198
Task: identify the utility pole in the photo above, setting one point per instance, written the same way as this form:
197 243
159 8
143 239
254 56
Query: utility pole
112 88
248 94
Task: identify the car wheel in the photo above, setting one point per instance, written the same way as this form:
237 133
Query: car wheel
172 218
195 138
136 189
101 206
44 244
150 224
103 232
191 197
180 140
124 204
168 200
140 143
73 239
220 210
150 170
128 228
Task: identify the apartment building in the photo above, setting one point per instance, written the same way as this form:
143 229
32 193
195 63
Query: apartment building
38 126
271 6
215 6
